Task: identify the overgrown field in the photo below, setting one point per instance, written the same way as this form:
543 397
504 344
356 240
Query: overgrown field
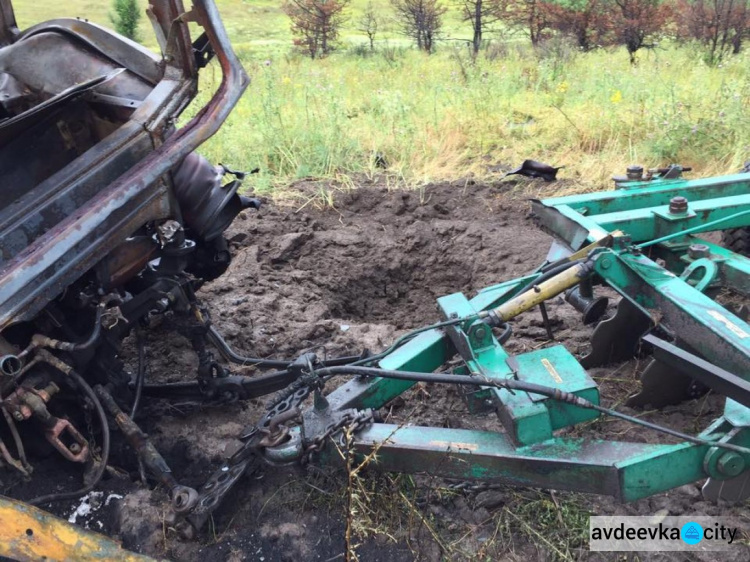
445 116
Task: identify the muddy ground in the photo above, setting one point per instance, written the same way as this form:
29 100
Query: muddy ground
351 277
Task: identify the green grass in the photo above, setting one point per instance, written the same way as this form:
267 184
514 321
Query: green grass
442 116
445 116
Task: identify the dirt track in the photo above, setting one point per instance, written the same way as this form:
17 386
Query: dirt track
348 278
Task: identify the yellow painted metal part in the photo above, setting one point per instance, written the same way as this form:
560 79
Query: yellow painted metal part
30 534
603 242
540 293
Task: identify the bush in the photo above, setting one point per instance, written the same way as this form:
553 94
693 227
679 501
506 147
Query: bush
316 24
719 26
126 17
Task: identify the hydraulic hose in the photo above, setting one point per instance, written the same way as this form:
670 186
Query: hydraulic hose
546 286
549 273
506 333
233 357
514 384
40 340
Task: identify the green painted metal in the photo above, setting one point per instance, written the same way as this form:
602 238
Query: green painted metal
425 353
628 471
702 323
664 468
532 452
734 269
642 210
556 367
700 274
736 414
641 195
654 222
525 419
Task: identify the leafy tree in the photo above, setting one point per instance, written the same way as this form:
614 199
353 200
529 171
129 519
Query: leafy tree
637 22
482 14
316 23
719 25
532 17
420 19
126 17
587 21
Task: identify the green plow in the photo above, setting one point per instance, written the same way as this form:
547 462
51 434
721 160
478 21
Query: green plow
641 241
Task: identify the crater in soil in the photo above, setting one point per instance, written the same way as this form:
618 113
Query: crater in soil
344 279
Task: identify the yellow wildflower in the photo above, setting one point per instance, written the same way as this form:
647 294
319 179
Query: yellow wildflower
562 87
616 96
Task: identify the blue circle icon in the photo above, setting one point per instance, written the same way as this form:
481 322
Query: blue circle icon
691 533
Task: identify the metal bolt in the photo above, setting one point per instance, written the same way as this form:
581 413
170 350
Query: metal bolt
697 251
731 464
74 448
605 263
635 173
480 332
678 205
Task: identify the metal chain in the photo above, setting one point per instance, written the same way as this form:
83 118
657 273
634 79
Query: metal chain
291 397
355 421
221 481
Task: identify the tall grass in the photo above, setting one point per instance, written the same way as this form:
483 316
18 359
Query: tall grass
446 116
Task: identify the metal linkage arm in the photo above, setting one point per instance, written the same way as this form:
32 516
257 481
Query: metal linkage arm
627 471
699 321
648 210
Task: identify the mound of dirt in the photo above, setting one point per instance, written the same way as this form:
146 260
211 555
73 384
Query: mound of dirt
378 258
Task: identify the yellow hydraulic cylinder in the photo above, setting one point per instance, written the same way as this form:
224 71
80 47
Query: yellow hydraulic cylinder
540 293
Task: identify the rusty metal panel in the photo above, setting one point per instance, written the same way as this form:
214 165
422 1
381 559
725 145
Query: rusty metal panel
73 245
119 50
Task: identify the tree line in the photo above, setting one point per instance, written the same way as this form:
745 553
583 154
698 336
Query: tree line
719 26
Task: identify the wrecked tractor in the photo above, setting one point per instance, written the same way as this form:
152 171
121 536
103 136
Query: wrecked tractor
108 218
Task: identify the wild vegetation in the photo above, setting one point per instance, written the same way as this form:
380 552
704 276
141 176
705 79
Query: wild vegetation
559 90
125 16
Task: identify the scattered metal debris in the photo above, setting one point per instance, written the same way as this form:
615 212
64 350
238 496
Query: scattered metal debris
534 169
